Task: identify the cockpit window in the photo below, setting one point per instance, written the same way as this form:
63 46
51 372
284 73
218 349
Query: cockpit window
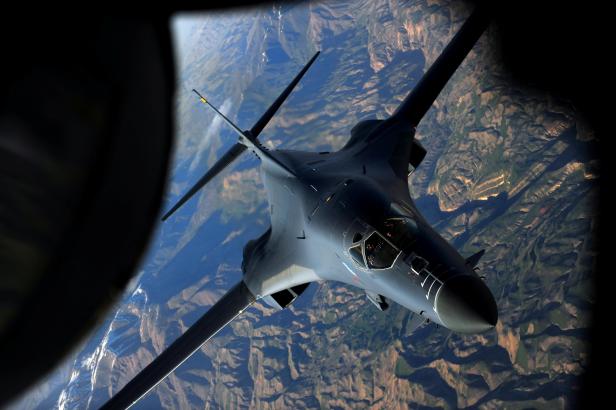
400 231
357 237
380 254
357 256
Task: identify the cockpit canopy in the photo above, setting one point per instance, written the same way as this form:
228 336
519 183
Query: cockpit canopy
380 250
380 254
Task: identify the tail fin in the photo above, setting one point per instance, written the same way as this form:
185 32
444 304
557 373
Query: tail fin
247 139
419 101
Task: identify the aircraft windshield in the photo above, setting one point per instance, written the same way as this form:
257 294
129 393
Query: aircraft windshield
380 254
357 256
400 231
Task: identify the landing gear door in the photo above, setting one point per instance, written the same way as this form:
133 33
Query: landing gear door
357 231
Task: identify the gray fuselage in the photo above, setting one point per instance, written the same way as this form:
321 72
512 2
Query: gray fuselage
348 216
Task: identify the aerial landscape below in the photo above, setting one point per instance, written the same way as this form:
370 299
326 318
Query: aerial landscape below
508 169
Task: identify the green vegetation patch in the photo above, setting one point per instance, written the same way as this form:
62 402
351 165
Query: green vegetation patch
559 317
403 369
521 356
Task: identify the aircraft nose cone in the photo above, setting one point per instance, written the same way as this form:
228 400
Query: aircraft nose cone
466 305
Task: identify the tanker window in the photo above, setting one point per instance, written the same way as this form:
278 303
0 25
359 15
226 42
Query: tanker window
380 254
357 256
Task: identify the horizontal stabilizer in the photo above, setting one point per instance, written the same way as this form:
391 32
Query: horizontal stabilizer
234 302
473 260
267 116
419 101
230 123
225 160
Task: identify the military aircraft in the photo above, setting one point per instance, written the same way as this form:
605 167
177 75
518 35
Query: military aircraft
345 216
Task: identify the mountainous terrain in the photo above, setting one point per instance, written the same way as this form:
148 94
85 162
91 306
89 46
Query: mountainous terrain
508 169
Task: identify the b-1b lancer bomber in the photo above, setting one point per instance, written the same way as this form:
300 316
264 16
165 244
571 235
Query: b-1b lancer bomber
345 216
